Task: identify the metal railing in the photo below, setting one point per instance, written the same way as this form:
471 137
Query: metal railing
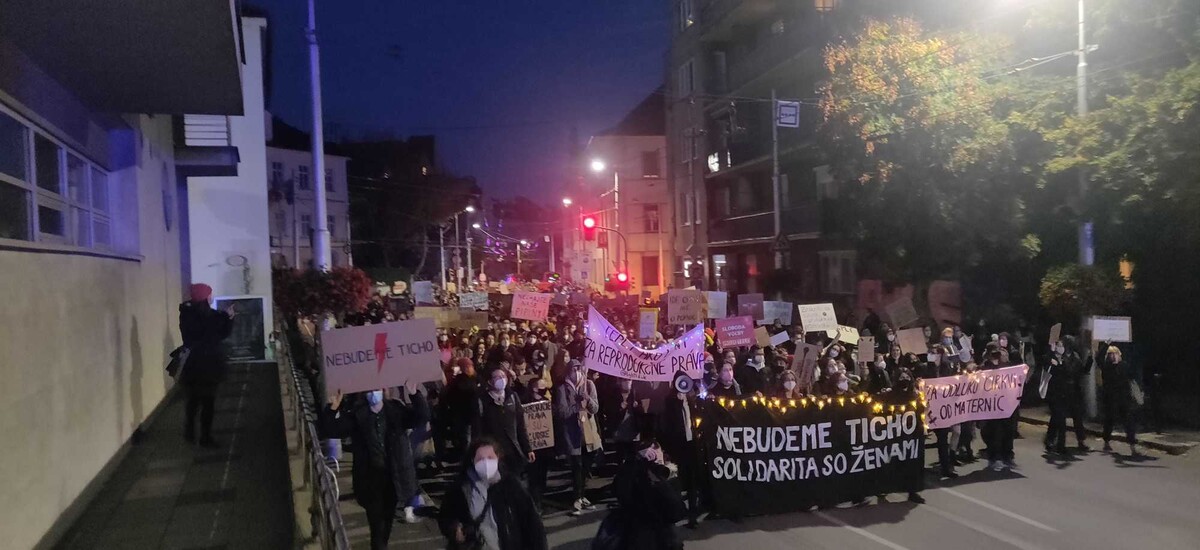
328 528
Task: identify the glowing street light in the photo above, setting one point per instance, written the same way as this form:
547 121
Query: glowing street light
476 225
469 209
566 201
598 165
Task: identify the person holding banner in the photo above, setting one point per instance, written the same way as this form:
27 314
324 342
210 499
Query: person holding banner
487 509
576 434
1000 433
498 415
383 473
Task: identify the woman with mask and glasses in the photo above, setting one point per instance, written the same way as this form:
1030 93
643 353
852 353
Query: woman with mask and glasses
487 509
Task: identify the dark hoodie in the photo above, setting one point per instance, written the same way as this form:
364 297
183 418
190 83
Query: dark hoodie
203 329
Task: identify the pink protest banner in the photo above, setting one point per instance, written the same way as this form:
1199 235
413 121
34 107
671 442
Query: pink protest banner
981 395
735 332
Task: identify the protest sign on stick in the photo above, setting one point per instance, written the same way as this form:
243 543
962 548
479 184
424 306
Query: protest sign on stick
539 424
647 322
685 307
776 311
718 302
817 317
531 306
371 357
901 312
912 340
735 332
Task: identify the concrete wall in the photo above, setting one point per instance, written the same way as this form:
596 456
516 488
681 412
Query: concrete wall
84 340
228 216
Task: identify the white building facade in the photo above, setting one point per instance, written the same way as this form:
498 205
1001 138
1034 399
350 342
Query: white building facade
110 206
292 207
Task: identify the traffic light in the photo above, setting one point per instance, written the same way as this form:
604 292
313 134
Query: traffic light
622 277
617 282
589 228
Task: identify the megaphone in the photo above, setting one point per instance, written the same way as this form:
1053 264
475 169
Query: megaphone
683 383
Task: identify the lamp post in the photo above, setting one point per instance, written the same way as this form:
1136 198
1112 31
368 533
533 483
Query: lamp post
470 266
599 166
520 245
321 254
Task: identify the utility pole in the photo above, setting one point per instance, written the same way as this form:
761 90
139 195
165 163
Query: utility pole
321 254
775 174
518 261
1087 254
550 239
470 267
442 252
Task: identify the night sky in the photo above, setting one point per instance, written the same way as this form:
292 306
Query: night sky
499 82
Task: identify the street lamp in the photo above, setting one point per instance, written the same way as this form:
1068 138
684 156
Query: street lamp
566 201
598 165
469 209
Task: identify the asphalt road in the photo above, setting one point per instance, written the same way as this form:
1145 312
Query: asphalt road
1097 501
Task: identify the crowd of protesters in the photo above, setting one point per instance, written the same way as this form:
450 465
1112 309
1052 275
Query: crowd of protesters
643 431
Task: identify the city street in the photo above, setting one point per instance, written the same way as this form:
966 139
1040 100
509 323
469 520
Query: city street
1100 500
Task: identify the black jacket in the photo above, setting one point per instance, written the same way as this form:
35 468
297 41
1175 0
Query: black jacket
204 329
751 379
518 523
371 483
506 424
649 506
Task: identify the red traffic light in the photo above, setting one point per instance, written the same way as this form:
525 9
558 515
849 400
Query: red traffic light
589 222
589 228
622 277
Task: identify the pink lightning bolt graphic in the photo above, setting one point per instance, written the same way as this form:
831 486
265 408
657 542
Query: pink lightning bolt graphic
381 348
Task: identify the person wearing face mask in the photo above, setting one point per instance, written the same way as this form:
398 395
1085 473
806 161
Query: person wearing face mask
878 379
940 363
1000 433
788 387
383 473
576 433
754 377
203 329
647 505
498 415
710 371
726 386
889 338
487 509
619 409
680 441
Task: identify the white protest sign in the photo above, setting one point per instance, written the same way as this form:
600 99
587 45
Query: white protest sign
608 351
773 310
531 306
1055 333
1112 329
912 340
866 349
981 395
718 302
539 424
685 307
647 322
473 300
779 338
423 293
804 363
380 356
818 317
844 334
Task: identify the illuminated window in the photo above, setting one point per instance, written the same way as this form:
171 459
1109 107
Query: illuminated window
826 6
424 170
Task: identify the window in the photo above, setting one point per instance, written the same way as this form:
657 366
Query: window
826 6
719 264
693 208
306 223
51 221
302 178
14 212
650 213
330 224
681 210
649 270
329 180
77 183
687 16
838 271
276 172
281 227
83 227
687 78
46 160
13 146
826 185
778 27
100 190
650 167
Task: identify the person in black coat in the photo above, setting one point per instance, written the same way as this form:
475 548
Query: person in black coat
1121 382
487 508
680 441
1064 395
204 330
754 377
499 416
383 473
647 505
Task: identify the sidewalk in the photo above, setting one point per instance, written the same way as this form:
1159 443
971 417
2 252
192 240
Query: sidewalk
1175 442
168 493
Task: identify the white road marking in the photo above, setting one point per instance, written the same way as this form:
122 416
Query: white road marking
1000 510
994 533
863 532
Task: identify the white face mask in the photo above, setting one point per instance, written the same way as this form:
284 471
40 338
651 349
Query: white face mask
500 383
789 385
843 385
880 364
758 359
891 337
374 398
934 358
487 468
455 371
833 353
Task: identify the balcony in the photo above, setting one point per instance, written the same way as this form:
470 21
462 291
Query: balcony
803 220
204 146
802 36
